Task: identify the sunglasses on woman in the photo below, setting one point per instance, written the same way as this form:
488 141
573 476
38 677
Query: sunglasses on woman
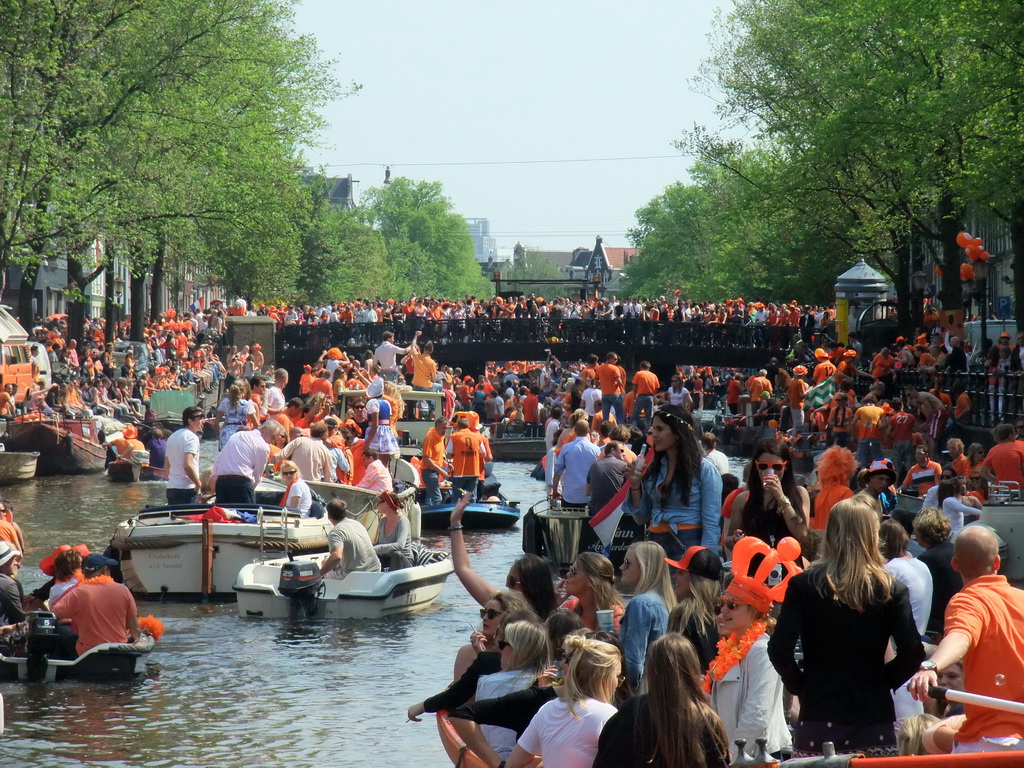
490 613
512 582
732 605
776 466
502 645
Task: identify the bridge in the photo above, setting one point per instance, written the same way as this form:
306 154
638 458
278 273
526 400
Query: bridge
469 344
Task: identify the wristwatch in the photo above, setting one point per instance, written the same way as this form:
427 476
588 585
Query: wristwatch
929 666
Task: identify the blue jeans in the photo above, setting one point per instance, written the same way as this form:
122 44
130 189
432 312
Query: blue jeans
432 482
467 483
642 404
390 375
868 449
675 544
609 402
182 495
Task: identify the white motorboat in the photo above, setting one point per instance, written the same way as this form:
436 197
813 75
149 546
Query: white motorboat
165 554
284 589
362 504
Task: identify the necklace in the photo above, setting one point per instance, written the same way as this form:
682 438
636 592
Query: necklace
731 651
102 578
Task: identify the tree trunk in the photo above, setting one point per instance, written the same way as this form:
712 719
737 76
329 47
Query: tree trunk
909 303
26 292
156 300
950 225
76 300
1017 244
109 307
137 290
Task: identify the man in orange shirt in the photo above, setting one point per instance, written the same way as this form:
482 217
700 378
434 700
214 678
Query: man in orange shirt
797 391
923 474
646 383
433 465
468 453
824 368
103 610
1005 460
985 630
613 386
758 384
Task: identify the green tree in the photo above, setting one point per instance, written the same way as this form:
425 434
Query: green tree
429 248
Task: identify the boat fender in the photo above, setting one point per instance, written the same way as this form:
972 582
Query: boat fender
829 759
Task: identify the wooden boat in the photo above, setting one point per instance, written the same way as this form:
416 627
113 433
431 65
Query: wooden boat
124 471
65 446
455 747
167 405
509 442
164 555
479 516
362 504
16 467
267 591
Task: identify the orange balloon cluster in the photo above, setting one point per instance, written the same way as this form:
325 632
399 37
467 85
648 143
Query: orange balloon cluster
973 246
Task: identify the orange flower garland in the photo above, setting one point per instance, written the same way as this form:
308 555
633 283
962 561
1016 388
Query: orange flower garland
102 578
731 651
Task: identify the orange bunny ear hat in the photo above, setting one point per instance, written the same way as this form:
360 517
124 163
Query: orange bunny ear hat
760 573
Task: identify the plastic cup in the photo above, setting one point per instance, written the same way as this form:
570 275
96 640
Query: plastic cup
606 620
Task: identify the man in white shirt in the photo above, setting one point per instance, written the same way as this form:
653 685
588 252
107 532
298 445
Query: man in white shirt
591 398
181 462
386 355
274 397
310 454
240 464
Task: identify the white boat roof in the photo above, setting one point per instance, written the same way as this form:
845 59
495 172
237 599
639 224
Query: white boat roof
10 329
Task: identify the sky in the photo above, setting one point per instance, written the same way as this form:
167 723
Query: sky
449 87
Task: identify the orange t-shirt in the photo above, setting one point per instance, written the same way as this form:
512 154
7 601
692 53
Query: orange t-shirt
823 370
1006 459
433 447
101 612
991 613
963 406
8 533
646 383
797 390
321 385
612 379
467 459
962 466
305 382
827 497
880 366
923 477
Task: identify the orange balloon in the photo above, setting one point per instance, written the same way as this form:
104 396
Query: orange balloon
964 239
974 252
938 271
966 272
983 255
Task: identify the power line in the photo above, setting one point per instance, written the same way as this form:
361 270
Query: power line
505 162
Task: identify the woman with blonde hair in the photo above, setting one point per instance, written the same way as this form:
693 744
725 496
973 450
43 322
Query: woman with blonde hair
844 609
646 617
672 725
235 411
590 585
564 732
698 587
297 495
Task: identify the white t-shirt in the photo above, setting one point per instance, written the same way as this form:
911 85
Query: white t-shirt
720 460
591 400
550 429
178 444
677 398
916 577
300 489
955 510
563 740
275 399
386 356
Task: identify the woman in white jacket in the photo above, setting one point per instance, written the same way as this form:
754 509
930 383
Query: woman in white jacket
745 689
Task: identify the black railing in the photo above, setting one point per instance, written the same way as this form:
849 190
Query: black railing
601 333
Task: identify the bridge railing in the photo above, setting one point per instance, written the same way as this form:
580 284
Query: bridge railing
600 333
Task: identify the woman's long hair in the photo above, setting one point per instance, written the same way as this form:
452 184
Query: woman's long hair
948 489
234 395
394 397
853 567
892 539
676 705
600 575
700 605
689 454
591 672
530 650
755 488
536 583
649 557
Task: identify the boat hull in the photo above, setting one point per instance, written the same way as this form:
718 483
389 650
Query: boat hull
357 596
124 471
161 554
478 516
109 662
455 747
17 467
65 447
362 504
517 449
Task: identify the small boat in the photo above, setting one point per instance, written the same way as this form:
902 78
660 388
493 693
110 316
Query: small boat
124 471
288 589
508 442
16 467
483 515
362 504
65 446
107 662
166 555
167 405
455 747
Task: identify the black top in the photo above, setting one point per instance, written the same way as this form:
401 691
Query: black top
513 710
705 639
627 741
945 582
11 595
464 689
768 525
845 678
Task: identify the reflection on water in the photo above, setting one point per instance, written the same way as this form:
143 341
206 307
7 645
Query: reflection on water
224 691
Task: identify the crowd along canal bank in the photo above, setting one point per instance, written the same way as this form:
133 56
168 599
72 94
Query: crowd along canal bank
225 691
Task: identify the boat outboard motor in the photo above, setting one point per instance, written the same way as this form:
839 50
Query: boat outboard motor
42 642
303 585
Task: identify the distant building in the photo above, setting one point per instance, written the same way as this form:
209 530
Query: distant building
607 261
485 247
340 189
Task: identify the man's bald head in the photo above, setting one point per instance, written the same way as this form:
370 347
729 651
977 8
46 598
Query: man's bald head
975 552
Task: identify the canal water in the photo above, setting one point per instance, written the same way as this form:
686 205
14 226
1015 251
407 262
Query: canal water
225 691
